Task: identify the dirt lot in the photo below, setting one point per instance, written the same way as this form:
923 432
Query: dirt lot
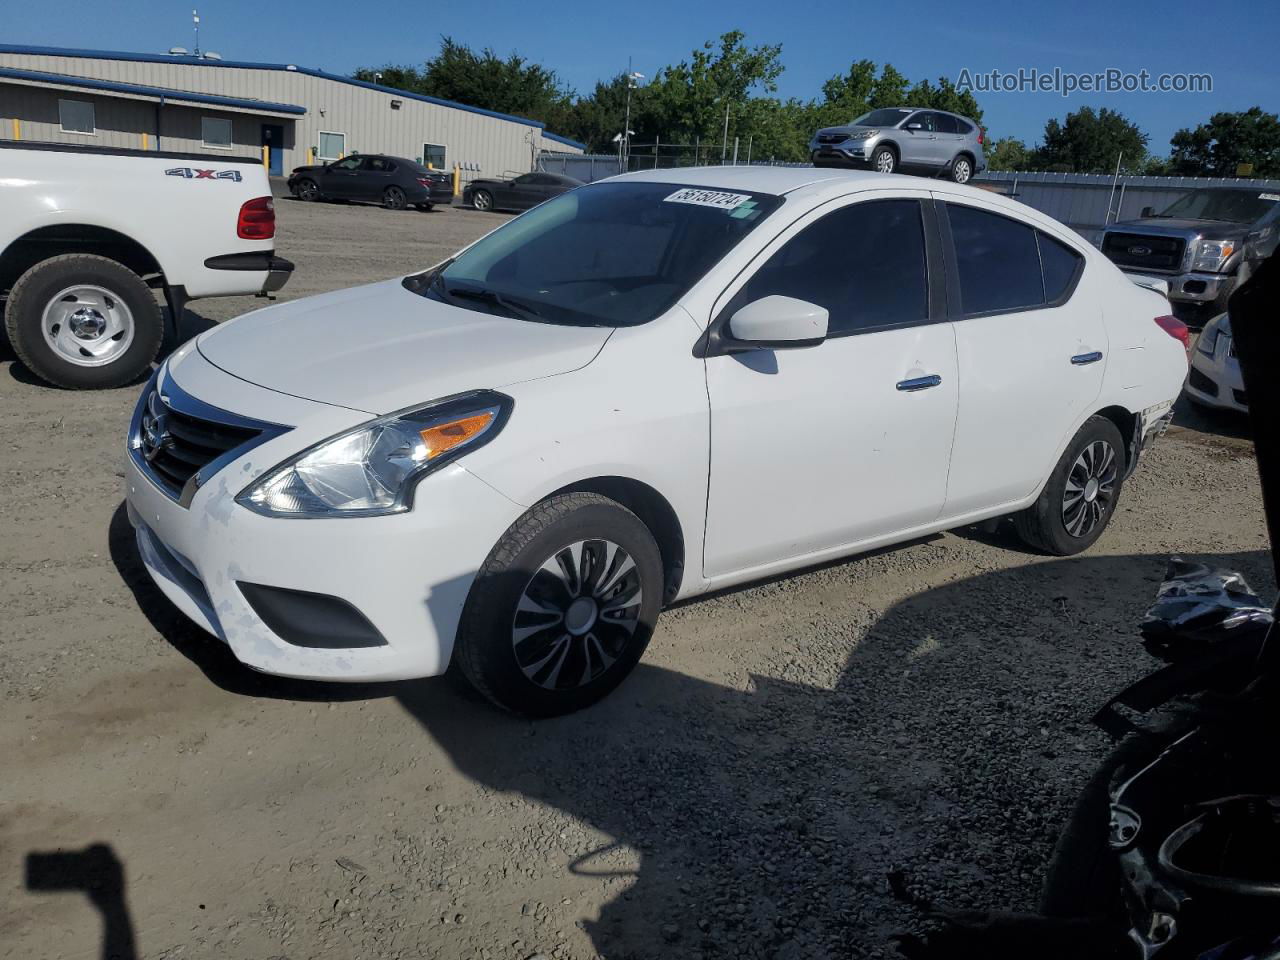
745 794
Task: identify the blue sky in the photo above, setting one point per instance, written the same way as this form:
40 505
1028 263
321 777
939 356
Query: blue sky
584 41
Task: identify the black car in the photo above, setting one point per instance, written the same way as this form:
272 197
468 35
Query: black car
394 182
518 193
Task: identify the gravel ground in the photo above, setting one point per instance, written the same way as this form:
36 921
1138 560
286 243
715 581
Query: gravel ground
780 751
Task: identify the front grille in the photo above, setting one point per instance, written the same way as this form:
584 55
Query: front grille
179 441
1165 253
1242 398
1202 383
832 137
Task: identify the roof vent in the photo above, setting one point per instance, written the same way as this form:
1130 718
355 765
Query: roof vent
178 51
211 55
290 66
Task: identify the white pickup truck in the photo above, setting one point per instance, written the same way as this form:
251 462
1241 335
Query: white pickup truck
89 234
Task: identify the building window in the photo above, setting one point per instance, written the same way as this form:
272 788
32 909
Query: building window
76 116
433 156
331 146
216 132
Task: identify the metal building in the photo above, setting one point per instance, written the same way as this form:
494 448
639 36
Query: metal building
293 115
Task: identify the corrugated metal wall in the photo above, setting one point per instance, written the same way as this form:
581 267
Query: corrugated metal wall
363 115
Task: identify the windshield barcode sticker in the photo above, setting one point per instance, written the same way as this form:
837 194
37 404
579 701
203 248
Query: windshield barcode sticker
709 198
1269 196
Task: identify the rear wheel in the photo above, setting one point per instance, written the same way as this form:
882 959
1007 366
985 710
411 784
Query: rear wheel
884 160
393 198
84 322
563 607
1077 503
961 169
307 190
482 200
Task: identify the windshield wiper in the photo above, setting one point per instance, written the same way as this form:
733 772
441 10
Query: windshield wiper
516 308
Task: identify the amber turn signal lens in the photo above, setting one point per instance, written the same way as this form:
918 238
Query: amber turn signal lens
443 437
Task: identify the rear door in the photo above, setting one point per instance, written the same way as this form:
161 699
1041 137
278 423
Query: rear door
950 133
373 177
1031 350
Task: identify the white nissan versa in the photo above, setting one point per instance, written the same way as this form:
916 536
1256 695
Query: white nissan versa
645 389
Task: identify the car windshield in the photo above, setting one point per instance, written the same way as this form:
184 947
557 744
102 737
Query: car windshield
888 117
1234 206
610 254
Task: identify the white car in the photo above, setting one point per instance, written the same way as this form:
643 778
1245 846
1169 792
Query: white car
645 389
1215 379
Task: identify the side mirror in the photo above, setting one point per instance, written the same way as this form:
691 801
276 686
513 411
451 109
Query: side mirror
1148 212
778 323
915 126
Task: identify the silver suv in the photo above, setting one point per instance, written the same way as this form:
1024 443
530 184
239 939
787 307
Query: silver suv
910 139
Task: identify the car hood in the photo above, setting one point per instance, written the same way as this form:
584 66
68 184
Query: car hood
1170 225
381 348
311 169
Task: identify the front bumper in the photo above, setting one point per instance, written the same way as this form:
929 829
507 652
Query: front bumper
1216 381
1194 287
852 153
408 574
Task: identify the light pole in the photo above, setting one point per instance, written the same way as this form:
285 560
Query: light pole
632 77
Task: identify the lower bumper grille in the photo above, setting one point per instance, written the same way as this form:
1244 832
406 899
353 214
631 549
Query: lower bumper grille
1202 383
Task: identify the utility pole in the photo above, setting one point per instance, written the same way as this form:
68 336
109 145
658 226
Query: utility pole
195 20
632 77
724 140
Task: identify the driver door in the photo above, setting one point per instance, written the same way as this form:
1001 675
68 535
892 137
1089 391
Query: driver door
919 147
339 179
820 448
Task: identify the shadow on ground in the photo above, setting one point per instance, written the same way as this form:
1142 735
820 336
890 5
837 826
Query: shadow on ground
944 739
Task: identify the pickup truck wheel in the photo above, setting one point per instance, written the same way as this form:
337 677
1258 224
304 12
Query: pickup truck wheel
1080 498
307 190
393 198
84 322
562 608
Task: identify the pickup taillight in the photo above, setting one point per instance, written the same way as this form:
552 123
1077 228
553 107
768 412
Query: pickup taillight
257 220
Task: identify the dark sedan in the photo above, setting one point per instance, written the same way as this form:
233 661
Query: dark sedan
394 182
517 193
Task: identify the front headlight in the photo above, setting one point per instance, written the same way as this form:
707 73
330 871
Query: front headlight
1212 254
863 135
1208 341
372 470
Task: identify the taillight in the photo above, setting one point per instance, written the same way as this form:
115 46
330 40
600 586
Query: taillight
1176 329
425 181
257 220
981 133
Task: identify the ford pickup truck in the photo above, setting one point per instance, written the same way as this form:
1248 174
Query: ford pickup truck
90 235
1203 245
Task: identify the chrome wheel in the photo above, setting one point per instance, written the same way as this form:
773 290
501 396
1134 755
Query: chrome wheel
482 200
885 161
577 614
1090 489
87 325
961 170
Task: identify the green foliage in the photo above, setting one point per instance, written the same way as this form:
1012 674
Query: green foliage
1089 142
1009 153
1216 148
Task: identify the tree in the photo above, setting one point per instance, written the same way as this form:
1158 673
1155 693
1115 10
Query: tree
1089 142
1008 153
1216 148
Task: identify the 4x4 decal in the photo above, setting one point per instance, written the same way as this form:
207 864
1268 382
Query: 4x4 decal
195 174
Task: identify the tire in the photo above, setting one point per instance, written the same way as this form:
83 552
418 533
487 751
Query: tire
424 207
307 190
482 200
884 160
107 339
961 169
393 198
1053 523
502 647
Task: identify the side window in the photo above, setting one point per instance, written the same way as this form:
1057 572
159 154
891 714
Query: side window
378 165
963 127
350 163
527 180
997 259
945 123
924 118
1060 263
865 263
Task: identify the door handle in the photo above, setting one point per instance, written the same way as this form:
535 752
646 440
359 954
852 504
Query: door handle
1080 359
919 383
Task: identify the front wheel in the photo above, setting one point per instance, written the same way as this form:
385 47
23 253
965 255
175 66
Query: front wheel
1080 498
961 169
307 190
884 160
482 200
563 607
393 198
84 322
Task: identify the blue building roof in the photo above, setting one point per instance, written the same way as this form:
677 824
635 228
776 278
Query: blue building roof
164 93
202 62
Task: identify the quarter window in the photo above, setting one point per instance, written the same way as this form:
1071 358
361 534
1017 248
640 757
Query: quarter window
997 259
76 116
1060 264
865 263
215 132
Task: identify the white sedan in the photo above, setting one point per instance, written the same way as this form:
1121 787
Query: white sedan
652 387
1215 379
